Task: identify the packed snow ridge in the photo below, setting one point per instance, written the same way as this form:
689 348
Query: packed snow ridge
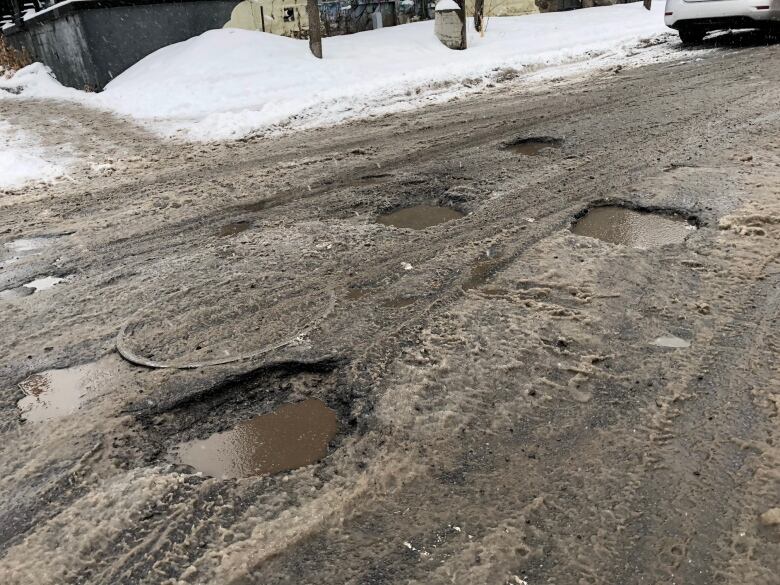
230 83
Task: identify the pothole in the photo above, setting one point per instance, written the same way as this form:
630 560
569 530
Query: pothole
232 229
31 287
420 217
533 145
44 283
639 229
399 302
57 393
355 294
671 341
292 436
16 293
482 269
26 246
16 250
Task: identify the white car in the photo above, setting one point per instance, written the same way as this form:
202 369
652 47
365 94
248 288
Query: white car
695 18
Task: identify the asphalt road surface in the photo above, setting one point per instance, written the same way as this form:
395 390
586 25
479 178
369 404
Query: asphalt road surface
507 401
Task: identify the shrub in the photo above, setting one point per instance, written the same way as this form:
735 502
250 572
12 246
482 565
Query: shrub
12 59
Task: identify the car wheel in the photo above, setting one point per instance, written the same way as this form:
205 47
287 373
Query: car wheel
690 35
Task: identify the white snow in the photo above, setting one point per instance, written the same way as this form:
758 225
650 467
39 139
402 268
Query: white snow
447 5
22 159
229 83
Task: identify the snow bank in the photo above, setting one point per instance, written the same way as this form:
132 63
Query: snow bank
228 83
447 5
23 160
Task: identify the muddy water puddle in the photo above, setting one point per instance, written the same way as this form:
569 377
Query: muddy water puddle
39 284
399 302
482 269
16 250
638 229
232 229
534 145
419 217
57 393
292 436
355 294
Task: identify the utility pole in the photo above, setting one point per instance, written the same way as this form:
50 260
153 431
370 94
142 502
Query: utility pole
315 36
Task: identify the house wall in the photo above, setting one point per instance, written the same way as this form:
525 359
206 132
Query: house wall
247 15
336 17
504 7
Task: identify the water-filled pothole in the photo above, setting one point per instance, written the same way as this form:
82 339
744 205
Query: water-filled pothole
533 145
292 436
232 229
355 294
482 269
44 283
57 393
399 302
671 341
629 227
419 217
31 287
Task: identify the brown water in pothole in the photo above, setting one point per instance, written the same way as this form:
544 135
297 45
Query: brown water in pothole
292 436
232 229
639 229
57 393
399 302
419 217
483 268
533 146
355 294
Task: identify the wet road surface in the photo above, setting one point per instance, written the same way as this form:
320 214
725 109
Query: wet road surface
513 402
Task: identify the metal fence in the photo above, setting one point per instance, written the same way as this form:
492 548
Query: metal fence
13 11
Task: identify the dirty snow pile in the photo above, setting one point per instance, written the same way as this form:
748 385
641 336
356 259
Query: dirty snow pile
229 83
22 159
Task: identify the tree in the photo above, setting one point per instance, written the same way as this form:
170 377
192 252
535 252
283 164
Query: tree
315 34
479 13
462 13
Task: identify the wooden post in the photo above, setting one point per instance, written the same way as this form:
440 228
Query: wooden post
262 17
315 35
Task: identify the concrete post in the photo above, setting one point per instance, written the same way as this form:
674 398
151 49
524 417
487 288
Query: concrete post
450 26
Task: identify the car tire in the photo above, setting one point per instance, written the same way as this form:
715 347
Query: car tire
691 35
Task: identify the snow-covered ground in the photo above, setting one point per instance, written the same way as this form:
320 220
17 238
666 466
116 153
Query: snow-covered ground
23 159
230 83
